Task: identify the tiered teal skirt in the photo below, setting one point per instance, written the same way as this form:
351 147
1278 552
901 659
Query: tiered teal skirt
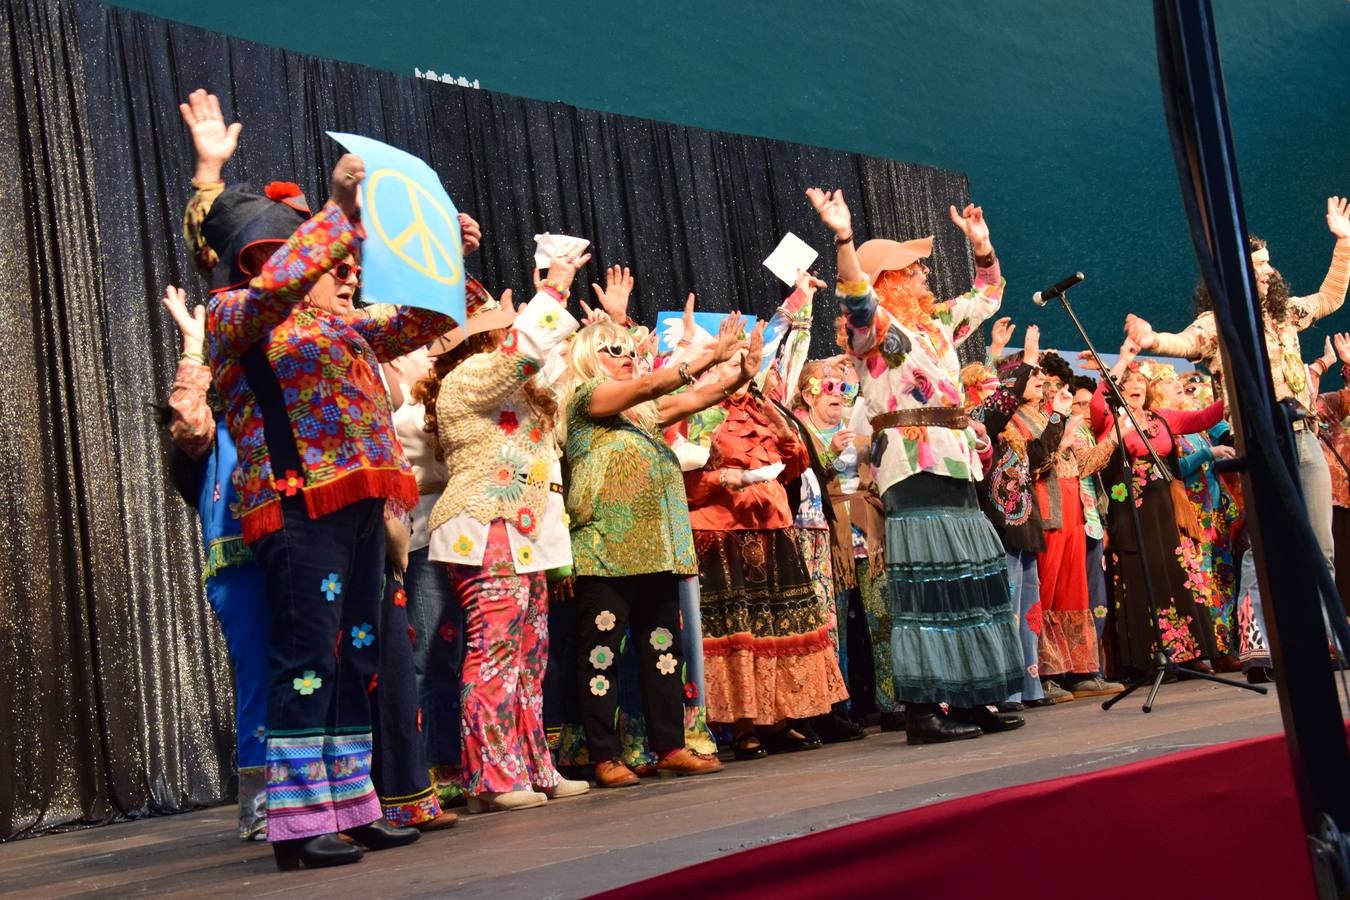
953 631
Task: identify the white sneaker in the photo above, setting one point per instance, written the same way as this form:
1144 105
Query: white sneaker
508 801
566 788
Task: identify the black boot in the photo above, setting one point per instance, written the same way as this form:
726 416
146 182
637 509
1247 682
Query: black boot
315 852
835 729
927 727
1258 675
381 834
988 721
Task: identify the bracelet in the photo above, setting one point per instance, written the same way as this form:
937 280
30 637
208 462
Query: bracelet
984 262
554 287
194 355
684 373
722 479
841 241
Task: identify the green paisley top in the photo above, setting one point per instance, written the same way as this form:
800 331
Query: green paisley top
625 497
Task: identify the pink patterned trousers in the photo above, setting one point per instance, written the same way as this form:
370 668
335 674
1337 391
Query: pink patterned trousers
506 631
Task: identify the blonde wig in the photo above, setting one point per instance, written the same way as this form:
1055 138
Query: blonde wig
583 364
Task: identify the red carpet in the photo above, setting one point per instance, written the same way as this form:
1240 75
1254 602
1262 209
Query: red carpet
1219 821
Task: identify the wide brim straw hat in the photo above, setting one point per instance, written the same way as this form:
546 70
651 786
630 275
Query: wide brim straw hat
880 255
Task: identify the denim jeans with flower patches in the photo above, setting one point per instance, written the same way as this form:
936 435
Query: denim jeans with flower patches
608 609
437 621
324 581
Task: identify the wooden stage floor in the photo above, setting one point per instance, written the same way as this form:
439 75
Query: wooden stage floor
575 847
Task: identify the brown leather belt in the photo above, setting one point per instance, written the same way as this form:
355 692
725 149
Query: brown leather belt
934 416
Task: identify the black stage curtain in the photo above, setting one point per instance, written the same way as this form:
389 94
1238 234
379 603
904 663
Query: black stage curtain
116 692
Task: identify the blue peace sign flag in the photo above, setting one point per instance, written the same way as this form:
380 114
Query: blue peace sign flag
412 255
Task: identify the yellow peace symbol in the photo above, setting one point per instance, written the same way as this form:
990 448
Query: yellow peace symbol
428 253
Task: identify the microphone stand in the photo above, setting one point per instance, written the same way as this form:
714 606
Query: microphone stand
1162 662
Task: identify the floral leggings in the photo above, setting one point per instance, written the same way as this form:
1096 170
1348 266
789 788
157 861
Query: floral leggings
506 624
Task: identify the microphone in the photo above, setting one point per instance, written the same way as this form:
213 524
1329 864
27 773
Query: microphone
1040 298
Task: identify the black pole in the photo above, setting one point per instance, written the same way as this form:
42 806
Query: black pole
1286 548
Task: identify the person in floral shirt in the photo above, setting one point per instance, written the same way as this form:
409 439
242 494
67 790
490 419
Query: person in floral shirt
499 526
954 634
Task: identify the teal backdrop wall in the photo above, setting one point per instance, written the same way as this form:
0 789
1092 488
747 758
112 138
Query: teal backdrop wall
1051 107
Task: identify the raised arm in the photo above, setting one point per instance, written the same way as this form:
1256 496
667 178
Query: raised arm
191 425
1331 295
676 407
238 319
1192 421
856 300
968 311
214 143
613 397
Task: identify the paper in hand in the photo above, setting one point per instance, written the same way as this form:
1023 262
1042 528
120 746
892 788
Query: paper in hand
792 255
763 473
546 246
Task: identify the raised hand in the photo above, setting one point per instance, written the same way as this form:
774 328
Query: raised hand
972 224
728 338
348 174
1328 357
754 353
833 211
470 233
614 296
1338 217
687 321
214 142
1341 341
1062 402
192 326
1088 361
808 284
1140 331
1000 333
562 266
1128 351
1031 346
589 316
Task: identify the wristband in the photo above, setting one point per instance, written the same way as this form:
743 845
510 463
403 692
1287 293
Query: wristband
558 290
684 373
195 355
841 241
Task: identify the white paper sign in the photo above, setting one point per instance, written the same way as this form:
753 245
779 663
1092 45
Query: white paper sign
547 245
792 255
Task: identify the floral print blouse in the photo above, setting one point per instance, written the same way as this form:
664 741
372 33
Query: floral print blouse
906 366
625 497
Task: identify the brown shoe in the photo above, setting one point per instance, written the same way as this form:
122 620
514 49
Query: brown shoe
446 819
612 773
687 762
